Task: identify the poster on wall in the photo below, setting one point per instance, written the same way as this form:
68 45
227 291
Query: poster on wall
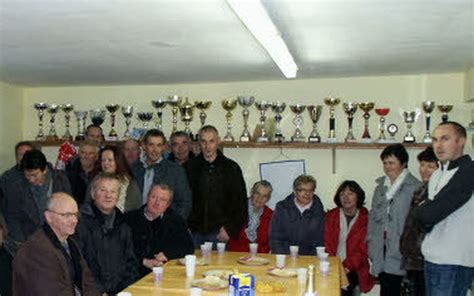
281 175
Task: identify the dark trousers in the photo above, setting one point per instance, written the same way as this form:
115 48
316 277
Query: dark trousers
390 284
5 273
415 283
353 282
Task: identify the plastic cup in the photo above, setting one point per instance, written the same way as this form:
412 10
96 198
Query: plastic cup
302 273
320 250
158 273
323 256
294 251
190 261
280 260
203 250
209 246
324 267
195 291
124 294
253 249
220 248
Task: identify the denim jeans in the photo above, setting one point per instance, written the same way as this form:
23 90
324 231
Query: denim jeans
447 280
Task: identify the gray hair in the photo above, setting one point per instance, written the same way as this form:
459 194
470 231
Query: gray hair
262 183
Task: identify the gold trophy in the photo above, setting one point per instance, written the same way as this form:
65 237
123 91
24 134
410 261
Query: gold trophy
159 104
382 112
410 117
145 118
428 107
187 109
366 107
445 109
127 112
278 108
112 108
350 109
229 105
332 103
53 110
67 108
263 106
174 101
81 117
203 106
40 107
298 121
245 102
315 114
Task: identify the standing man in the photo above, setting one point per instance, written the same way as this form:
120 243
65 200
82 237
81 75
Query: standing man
152 168
50 262
219 194
448 215
181 149
131 151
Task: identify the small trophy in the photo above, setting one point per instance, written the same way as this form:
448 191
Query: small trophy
40 107
228 106
382 112
127 112
410 117
263 106
159 105
445 109
428 107
97 116
203 106
112 108
315 113
187 109
278 108
174 101
332 103
245 102
350 109
366 107
67 108
298 121
145 117
392 130
52 110
81 117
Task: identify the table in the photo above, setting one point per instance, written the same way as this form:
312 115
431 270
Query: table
175 282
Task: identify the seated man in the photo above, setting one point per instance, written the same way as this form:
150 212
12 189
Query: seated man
181 149
298 220
105 238
258 226
50 262
159 233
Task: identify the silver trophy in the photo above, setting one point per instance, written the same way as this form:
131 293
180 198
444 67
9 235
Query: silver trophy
228 106
53 109
81 117
332 103
315 114
278 108
350 109
245 102
410 117
127 112
67 109
428 107
40 107
159 104
187 109
298 121
174 101
145 118
112 108
263 106
445 109
382 112
203 106
97 116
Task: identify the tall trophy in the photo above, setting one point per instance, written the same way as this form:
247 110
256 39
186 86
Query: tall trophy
52 110
127 112
40 107
410 117
245 102
350 109
298 121
263 106
366 107
187 109
159 104
174 101
382 112
67 108
81 117
445 109
97 116
315 113
203 106
428 107
278 108
332 103
228 106
145 118
112 108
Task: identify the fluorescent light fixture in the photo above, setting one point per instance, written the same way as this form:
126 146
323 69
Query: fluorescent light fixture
256 19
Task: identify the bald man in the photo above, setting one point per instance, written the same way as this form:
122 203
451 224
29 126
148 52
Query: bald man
49 262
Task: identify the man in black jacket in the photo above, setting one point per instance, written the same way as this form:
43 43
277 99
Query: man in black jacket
159 233
219 193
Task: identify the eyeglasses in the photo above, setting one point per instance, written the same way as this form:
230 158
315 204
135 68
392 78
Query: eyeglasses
66 215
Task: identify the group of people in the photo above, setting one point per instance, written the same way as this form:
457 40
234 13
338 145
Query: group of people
117 212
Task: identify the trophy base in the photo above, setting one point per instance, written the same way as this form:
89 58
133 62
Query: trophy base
278 139
409 139
366 140
350 140
331 140
40 138
244 139
386 141
314 140
298 139
112 138
228 139
427 140
262 139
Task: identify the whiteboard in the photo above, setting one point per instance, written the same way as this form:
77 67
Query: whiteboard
281 175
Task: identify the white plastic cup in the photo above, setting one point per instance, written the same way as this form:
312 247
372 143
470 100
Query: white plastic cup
320 250
124 294
280 260
158 272
324 267
195 291
294 251
203 250
302 274
209 246
253 249
190 261
323 256
220 248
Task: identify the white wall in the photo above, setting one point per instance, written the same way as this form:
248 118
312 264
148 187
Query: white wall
396 92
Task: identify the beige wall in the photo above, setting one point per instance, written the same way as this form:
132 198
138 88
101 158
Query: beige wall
396 92
11 127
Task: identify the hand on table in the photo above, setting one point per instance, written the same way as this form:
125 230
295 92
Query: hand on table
223 236
160 257
150 263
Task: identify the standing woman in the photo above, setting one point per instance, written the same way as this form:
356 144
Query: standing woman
390 205
345 232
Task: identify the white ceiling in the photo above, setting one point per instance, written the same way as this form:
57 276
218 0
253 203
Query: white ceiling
97 42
